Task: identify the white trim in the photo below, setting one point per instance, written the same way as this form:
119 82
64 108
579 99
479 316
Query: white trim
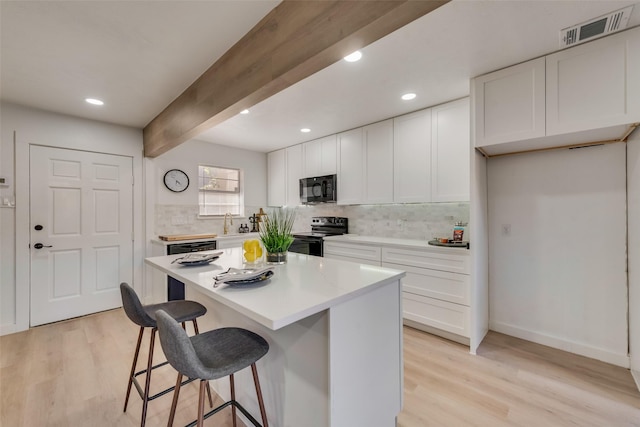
23 281
7 328
622 360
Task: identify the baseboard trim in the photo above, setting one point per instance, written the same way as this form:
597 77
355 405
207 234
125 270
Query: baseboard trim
636 377
621 360
435 331
8 328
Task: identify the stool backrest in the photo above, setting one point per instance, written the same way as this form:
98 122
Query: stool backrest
177 347
133 308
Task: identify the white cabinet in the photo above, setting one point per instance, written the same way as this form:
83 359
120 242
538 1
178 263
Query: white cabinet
510 104
351 167
594 85
412 157
581 95
276 178
284 170
363 254
436 289
378 146
450 152
294 173
320 157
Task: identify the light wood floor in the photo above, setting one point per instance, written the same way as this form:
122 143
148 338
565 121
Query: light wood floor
74 373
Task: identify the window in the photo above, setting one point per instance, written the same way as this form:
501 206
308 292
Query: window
220 191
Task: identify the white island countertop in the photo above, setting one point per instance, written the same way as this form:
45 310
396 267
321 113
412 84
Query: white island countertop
304 286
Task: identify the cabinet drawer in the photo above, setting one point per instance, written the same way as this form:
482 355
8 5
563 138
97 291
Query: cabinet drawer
340 249
454 263
352 259
447 316
442 285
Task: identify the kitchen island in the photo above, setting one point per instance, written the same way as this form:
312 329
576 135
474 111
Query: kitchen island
334 330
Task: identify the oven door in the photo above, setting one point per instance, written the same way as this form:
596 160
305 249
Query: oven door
306 245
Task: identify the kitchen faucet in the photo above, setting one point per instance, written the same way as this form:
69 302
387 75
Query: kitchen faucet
226 227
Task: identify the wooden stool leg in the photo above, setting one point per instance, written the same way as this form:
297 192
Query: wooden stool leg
256 381
147 383
174 402
195 328
233 398
133 369
201 403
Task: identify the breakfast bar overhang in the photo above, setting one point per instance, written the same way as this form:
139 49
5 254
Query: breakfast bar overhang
335 334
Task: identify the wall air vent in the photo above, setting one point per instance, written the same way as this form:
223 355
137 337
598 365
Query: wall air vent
598 27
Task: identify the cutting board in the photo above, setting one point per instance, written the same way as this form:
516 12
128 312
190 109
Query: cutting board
177 237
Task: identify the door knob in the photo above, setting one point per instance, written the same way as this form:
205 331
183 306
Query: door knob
40 246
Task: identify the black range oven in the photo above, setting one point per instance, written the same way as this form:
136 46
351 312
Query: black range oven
321 226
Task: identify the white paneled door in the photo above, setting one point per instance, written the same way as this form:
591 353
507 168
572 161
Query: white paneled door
81 237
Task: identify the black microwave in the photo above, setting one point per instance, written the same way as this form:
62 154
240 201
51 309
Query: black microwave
318 189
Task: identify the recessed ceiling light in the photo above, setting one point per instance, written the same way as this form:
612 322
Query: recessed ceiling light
244 112
353 57
94 101
305 130
408 96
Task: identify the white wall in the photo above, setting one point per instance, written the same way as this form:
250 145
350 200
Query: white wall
557 241
43 128
633 189
183 207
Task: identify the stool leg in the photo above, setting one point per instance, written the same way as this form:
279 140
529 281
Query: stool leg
195 328
174 402
256 381
233 398
147 383
201 403
133 369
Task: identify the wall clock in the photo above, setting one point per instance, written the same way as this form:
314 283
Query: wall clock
176 180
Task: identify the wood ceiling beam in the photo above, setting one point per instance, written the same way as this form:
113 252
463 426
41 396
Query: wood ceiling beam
295 40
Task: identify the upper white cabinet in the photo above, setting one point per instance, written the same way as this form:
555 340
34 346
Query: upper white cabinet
378 168
351 167
509 104
294 173
584 94
320 157
594 85
276 178
412 157
284 170
450 152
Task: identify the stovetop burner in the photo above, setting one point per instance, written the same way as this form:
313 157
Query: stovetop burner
322 226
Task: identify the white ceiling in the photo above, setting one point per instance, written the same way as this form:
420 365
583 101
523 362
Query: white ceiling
140 55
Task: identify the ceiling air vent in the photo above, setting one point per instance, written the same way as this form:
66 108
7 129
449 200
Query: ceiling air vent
598 27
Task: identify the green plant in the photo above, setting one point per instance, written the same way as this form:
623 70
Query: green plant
275 231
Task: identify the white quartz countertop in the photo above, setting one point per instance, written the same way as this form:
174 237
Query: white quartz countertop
394 242
217 238
302 287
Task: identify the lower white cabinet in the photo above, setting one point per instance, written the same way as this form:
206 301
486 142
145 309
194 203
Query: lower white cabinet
363 254
436 289
225 242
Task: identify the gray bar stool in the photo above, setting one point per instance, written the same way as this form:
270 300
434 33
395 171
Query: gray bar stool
209 356
145 317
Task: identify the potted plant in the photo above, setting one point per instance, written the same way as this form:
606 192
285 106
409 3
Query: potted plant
275 234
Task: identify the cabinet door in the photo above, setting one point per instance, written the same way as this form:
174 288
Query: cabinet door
350 167
329 155
412 157
378 184
293 175
450 152
510 104
590 86
276 178
312 157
